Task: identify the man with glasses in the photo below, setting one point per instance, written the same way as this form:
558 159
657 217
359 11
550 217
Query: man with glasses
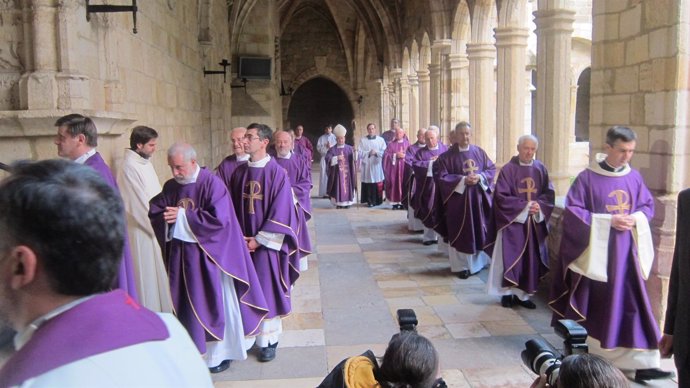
262 196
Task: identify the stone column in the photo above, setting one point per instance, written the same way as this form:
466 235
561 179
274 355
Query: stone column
385 103
554 30
404 103
459 99
38 87
483 96
414 101
511 44
424 99
436 96
396 98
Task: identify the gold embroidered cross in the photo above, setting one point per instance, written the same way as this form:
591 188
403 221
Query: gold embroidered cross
530 187
622 201
254 194
471 166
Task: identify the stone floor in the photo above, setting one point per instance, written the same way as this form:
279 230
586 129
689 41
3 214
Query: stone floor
365 266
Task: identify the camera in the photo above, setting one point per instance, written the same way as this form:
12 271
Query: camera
543 359
407 320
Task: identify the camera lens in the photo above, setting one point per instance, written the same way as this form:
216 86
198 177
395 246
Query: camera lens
541 358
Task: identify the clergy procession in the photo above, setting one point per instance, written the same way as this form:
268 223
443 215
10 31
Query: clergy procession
222 250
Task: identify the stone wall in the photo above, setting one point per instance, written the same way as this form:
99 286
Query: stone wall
121 79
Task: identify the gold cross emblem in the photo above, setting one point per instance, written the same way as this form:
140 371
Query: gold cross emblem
186 204
530 187
254 194
470 166
622 202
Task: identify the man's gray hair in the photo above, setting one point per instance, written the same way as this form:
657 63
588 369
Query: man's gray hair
184 149
526 137
434 128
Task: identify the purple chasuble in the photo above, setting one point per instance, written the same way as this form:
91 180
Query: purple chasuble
393 170
263 202
125 277
525 257
464 218
227 167
616 312
408 174
306 148
341 177
296 170
103 323
195 269
388 136
424 197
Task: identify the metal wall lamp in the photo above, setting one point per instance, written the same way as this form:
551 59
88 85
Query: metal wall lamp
106 8
223 63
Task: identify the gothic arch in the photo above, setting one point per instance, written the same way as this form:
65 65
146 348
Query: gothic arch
328 74
414 58
461 28
512 13
425 53
483 19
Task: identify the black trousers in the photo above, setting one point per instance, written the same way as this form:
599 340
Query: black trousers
372 193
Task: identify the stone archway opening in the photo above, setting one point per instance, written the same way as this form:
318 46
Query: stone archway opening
582 107
319 102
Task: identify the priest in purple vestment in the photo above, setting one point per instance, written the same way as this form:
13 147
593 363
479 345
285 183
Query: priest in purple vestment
389 135
394 168
269 219
413 223
606 254
464 178
76 140
57 275
423 200
297 170
229 164
341 171
523 202
215 290
305 145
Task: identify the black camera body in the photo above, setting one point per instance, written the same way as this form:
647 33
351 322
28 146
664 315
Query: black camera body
543 359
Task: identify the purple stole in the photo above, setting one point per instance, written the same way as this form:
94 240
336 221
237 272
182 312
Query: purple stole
195 269
125 277
227 167
525 257
393 170
465 216
616 312
341 177
424 196
263 202
296 170
408 174
101 324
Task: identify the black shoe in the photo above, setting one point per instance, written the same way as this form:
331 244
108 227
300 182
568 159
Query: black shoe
430 242
345 207
652 374
220 367
528 304
464 274
507 301
268 353
370 205
338 207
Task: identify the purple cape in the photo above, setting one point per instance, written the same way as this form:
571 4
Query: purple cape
305 147
195 269
296 170
525 257
125 278
423 200
341 177
465 216
616 312
393 170
408 174
227 167
263 202
103 323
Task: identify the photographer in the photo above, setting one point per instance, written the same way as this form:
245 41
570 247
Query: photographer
586 371
410 361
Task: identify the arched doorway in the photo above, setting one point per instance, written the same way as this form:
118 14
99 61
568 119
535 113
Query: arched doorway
318 102
582 107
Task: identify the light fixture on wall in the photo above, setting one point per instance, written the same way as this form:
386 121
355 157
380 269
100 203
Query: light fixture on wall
107 8
223 63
